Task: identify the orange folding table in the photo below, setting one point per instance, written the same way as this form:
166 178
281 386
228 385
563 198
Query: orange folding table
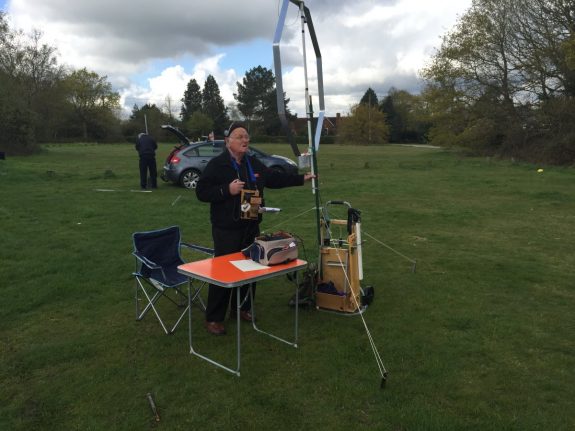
223 271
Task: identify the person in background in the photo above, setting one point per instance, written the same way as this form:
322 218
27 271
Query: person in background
221 184
146 146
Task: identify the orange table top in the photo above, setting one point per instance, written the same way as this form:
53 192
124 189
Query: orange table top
220 271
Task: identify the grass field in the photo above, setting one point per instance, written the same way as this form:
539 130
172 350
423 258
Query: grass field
482 336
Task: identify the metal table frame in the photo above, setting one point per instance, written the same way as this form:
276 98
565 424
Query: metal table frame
221 272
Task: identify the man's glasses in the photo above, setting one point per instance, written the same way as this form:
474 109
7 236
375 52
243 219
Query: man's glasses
241 137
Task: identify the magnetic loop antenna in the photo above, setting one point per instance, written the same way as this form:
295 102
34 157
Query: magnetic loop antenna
303 160
278 73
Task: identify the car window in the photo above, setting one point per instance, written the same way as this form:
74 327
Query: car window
209 151
192 152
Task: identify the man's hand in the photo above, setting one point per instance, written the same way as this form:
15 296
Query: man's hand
236 187
308 176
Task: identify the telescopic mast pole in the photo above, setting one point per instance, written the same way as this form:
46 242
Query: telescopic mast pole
309 113
308 160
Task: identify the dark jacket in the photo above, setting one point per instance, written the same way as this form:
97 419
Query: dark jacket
213 187
146 145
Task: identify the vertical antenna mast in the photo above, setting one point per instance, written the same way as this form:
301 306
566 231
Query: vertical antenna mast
303 160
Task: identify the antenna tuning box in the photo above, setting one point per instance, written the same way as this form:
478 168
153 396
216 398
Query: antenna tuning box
304 161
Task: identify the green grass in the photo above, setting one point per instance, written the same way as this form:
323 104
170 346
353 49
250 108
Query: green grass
480 337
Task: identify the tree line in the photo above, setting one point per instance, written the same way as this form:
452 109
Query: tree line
399 117
43 101
502 83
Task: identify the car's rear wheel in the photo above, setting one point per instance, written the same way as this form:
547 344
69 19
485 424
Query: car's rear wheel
189 178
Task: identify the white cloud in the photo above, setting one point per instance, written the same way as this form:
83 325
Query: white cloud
378 45
364 43
172 82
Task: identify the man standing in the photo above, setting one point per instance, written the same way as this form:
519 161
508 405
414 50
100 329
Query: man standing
221 184
146 147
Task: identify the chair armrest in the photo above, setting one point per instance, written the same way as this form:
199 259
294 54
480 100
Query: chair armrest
146 261
206 250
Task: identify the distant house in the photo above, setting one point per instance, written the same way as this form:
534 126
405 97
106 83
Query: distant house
330 125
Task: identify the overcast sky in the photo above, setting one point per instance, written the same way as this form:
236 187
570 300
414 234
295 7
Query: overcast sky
149 50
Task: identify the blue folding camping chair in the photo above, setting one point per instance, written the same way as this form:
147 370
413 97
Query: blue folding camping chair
158 256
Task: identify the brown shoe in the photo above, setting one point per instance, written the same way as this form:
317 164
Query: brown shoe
215 328
246 316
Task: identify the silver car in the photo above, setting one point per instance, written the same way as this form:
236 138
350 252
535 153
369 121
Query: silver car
188 160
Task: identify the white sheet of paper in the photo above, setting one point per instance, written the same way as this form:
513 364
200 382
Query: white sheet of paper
247 265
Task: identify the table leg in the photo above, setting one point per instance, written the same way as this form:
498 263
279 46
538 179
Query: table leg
238 309
291 343
199 355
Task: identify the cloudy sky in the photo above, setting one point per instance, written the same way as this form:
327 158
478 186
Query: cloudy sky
149 50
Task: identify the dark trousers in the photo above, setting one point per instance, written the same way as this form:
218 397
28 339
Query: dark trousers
225 242
148 163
